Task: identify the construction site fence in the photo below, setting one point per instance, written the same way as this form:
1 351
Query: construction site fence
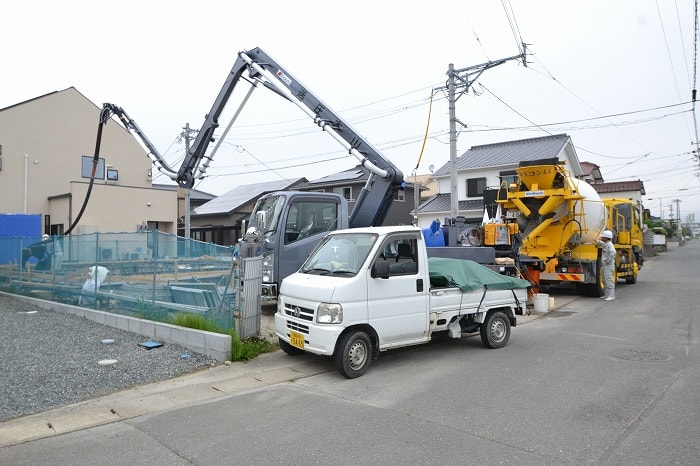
149 274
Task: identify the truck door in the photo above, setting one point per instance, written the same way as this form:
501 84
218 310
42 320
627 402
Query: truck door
398 305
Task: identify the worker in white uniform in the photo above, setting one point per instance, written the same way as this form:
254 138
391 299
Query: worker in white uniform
608 261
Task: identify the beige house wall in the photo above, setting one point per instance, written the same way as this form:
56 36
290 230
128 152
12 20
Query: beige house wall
43 142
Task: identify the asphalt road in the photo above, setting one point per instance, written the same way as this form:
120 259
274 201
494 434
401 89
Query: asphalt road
591 382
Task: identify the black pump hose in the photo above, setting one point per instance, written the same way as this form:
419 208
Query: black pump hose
104 117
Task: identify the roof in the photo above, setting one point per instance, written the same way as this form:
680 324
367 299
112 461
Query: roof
588 167
243 194
351 175
194 193
509 153
441 203
620 186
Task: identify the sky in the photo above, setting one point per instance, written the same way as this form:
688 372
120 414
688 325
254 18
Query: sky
615 76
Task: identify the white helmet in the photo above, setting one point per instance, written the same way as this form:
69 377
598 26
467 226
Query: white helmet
607 234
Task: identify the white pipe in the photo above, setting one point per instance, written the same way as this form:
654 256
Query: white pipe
322 124
204 167
26 157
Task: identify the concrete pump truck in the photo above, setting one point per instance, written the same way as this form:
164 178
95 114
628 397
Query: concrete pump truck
284 226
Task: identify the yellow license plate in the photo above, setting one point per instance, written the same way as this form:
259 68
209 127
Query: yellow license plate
296 339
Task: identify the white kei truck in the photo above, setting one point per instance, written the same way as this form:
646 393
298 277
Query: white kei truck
367 290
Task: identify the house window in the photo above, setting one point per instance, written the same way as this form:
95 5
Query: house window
475 187
86 170
345 191
400 195
112 174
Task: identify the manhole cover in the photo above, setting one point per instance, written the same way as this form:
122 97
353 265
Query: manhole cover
641 355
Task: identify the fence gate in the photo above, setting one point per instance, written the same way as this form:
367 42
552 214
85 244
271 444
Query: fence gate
249 301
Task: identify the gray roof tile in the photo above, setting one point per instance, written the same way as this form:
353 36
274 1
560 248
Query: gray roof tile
508 153
240 195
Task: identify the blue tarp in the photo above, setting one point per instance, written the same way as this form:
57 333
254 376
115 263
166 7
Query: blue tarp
18 231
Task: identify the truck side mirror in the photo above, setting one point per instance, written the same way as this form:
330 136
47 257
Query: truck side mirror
380 269
261 220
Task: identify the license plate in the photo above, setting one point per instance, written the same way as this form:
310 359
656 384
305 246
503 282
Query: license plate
296 339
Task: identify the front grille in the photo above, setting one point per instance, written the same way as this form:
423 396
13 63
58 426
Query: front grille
299 312
301 328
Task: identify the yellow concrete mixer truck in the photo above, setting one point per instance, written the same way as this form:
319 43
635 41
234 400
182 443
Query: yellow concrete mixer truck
552 221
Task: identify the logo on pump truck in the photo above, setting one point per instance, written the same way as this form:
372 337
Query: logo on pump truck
284 78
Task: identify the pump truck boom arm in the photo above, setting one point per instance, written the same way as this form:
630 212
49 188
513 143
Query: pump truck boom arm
385 179
110 109
373 202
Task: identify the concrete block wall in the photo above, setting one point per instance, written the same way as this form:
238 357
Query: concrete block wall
215 345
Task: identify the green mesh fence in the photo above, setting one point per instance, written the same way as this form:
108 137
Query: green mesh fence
150 274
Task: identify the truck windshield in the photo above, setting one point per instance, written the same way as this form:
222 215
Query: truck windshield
341 254
272 206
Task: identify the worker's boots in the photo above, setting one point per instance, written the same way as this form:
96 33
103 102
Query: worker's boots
610 294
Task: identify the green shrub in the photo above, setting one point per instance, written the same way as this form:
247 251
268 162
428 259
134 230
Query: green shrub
240 350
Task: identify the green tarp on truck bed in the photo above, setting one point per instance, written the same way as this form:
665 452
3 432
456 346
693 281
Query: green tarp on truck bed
469 276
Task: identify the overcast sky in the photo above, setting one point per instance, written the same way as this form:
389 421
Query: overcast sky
614 75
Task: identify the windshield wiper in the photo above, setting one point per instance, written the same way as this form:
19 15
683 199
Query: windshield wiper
343 272
318 271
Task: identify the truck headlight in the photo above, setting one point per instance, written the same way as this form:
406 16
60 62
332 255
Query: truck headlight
329 313
268 274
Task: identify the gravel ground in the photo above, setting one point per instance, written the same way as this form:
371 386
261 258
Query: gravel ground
50 359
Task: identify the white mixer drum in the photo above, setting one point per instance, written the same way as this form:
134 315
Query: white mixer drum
590 212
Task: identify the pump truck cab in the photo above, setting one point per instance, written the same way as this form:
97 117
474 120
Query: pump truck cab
367 290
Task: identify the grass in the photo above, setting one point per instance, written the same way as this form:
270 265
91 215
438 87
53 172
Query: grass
241 350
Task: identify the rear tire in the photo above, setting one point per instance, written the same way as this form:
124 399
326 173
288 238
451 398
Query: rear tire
353 354
495 331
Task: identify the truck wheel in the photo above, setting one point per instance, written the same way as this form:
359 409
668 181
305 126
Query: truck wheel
495 331
289 349
597 289
633 279
353 354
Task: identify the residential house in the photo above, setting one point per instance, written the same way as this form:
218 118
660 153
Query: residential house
197 198
632 189
46 160
488 166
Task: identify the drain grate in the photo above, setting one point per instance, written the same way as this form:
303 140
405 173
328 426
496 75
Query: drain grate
641 355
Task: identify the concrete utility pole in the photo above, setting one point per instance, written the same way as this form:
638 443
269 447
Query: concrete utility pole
678 221
461 80
187 134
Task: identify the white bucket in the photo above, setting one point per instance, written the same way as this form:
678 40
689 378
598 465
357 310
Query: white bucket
541 302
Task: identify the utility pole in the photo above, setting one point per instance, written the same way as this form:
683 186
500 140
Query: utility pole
187 134
461 80
678 221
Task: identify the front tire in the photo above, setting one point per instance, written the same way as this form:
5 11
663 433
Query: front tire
495 331
633 279
353 354
597 289
289 349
